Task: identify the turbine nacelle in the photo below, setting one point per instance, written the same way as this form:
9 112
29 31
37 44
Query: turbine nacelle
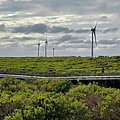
94 33
39 43
93 29
46 42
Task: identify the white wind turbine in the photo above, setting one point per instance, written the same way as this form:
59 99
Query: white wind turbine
38 49
53 52
46 44
93 35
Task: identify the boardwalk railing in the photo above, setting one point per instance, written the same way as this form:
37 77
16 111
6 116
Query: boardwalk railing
78 78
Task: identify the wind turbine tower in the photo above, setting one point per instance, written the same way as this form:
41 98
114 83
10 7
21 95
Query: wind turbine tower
46 43
38 49
93 36
53 52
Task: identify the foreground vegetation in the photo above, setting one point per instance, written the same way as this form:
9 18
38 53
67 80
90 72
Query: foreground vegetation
60 66
56 99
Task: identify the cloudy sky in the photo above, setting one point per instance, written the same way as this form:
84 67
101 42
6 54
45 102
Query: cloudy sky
66 23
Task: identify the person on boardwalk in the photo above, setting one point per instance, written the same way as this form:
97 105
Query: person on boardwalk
102 71
5 70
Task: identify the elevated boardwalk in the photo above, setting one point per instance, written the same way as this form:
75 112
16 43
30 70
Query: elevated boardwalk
78 78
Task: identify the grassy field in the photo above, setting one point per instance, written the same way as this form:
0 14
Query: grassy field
60 66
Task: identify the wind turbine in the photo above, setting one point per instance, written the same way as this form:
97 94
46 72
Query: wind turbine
93 35
38 48
53 51
46 43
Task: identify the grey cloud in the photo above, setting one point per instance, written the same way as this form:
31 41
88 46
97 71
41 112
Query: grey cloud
16 5
70 31
10 40
55 29
64 39
54 5
62 6
106 42
103 18
109 42
105 7
61 3
82 31
72 46
2 27
78 6
15 44
67 38
87 41
107 30
37 28
4 38
77 41
16 39
24 38
41 28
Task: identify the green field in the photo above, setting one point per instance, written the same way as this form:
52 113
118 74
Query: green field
60 66
56 99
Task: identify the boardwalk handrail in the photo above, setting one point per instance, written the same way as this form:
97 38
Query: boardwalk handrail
116 77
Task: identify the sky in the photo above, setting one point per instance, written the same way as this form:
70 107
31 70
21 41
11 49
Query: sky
66 24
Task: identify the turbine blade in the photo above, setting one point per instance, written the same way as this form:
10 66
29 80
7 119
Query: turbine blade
91 27
46 39
95 38
96 25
